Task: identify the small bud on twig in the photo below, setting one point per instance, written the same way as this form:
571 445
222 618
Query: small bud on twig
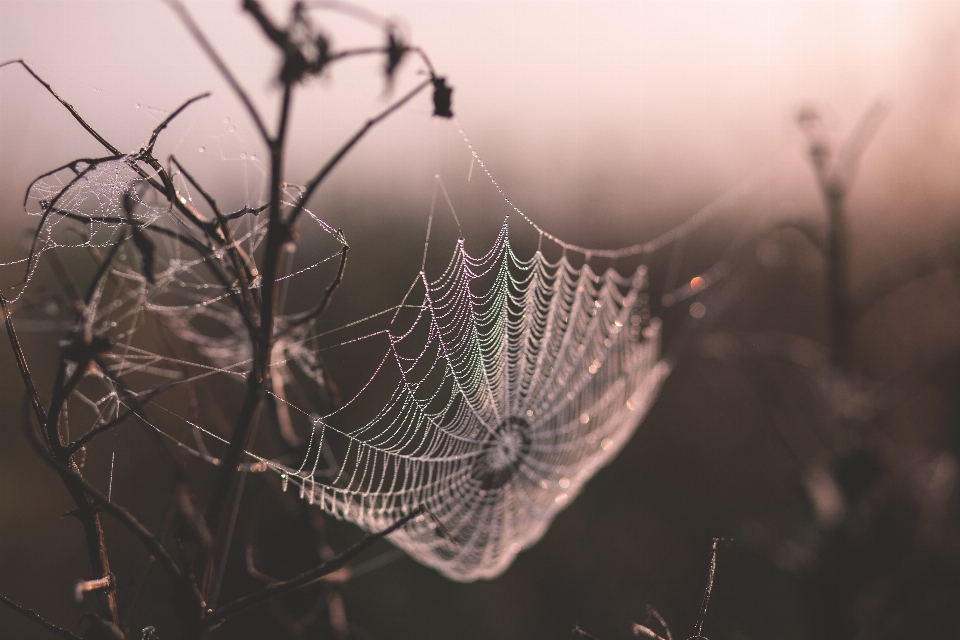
442 95
83 586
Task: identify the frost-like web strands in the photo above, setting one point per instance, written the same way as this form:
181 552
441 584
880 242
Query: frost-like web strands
89 191
511 396
503 385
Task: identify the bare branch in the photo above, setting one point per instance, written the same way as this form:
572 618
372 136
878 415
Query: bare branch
221 66
318 310
583 634
69 107
349 144
698 630
241 263
22 363
305 578
148 150
134 410
40 620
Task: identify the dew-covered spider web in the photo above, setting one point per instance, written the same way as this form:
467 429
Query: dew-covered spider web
495 389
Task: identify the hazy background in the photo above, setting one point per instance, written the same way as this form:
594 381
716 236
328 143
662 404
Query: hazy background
630 110
605 122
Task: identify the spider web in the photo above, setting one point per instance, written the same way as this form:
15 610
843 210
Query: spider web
500 387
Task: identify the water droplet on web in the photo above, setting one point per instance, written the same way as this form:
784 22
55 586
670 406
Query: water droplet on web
284 480
202 149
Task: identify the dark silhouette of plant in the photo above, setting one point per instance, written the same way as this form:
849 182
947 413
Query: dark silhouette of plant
192 542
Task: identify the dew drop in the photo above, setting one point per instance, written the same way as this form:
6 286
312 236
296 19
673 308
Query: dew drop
202 149
584 418
561 498
284 480
515 548
564 483
606 443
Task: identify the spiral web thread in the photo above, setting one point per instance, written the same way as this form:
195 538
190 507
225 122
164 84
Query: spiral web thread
504 384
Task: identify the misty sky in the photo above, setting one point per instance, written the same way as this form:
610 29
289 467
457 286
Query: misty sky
621 106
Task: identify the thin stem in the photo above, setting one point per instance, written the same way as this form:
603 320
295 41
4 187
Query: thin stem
309 315
278 235
239 262
51 207
698 630
205 252
305 578
134 410
69 107
32 393
338 156
40 620
221 66
148 150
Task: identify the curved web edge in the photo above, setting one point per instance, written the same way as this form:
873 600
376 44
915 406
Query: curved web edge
412 453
